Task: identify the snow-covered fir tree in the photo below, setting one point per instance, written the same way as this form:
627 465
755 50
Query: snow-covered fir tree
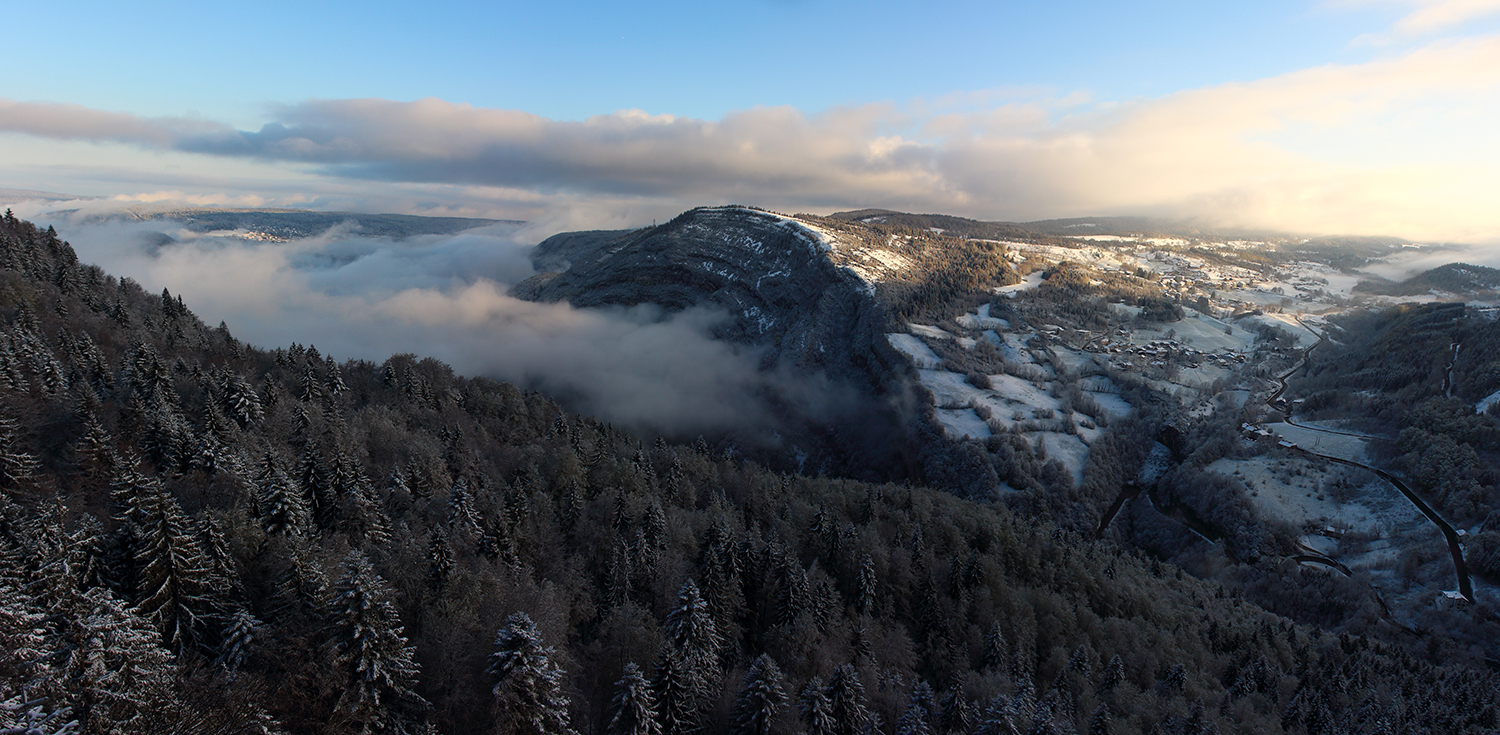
371 652
760 699
528 696
633 709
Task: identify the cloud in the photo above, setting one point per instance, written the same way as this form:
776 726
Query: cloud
1431 16
1399 145
361 297
71 122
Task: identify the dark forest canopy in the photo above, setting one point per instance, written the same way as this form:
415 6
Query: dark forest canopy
200 536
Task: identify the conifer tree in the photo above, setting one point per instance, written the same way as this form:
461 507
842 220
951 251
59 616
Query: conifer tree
304 586
223 572
957 713
1114 674
461 514
679 695
283 510
690 627
633 709
17 466
333 377
439 560
994 653
174 576
371 651
22 643
815 709
317 487
761 698
527 692
120 676
240 401
917 719
311 385
846 698
1099 723
866 585
239 641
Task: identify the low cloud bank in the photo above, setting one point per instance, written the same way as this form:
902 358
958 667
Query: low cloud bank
445 296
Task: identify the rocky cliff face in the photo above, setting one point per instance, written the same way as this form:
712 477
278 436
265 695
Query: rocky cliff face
804 292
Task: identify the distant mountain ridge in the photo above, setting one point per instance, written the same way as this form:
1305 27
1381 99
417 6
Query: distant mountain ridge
1452 278
292 224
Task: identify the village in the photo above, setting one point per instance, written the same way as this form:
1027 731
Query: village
1058 385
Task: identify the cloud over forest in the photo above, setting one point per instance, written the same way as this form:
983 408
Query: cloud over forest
355 296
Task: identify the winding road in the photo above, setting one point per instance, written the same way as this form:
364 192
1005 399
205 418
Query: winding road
1460 568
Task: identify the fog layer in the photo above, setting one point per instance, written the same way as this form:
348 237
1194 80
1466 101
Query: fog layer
443 296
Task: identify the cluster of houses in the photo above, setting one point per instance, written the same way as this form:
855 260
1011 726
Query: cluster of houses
1158 351
1261 432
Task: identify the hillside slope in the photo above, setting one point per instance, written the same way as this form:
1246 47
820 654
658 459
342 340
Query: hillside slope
276 541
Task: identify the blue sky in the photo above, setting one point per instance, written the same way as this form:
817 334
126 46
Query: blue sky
573 60
1327 115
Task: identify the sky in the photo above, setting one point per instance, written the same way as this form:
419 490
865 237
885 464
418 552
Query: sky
1319 116
1315 116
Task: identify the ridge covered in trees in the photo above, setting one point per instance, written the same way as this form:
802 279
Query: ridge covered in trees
198 535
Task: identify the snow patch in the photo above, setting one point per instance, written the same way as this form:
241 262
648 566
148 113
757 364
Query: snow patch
1067 449
962 423
930 332
921 355
970 321
1485 403
1031 281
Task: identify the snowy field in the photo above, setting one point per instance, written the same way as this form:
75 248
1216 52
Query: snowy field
1032 280
1020 405
1199 331
1487 401
913 347
1287 323
1351 448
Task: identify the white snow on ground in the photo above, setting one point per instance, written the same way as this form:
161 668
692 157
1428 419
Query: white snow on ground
1487 401
948 389
1067 449
1351 448
962 423
1199 331
970 321
1284 488
1009 346
923 330
981 319
1287 323
921 355
1112 404
1203 376
875 265
1234 398
1032 280
1021 391
1377 522
1072 359
1252 297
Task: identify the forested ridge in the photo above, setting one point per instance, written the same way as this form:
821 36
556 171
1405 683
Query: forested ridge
197 535
1389 372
